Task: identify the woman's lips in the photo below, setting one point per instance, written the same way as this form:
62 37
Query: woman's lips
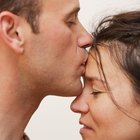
85 128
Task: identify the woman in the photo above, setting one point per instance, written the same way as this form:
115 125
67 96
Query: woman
110 102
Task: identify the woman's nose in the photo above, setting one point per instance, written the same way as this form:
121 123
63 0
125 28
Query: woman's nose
79 105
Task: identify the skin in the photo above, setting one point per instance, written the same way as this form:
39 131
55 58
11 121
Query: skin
100 117
33 66
57 69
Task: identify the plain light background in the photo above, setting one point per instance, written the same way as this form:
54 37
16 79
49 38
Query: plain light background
54 119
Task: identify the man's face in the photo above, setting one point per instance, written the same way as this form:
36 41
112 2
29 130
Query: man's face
55 57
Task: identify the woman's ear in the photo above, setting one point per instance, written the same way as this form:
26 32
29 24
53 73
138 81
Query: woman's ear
10 31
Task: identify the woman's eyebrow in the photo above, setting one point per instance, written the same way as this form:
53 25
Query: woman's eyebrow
94 78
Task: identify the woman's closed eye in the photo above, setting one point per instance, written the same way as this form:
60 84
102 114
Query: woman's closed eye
96 92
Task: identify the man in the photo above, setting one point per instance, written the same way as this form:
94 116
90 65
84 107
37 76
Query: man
41 53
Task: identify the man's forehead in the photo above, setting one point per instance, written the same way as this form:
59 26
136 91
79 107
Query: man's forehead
57 5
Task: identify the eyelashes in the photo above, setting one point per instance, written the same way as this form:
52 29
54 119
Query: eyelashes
96 92
72 20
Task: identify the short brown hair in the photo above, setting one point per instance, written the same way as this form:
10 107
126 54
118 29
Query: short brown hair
29 9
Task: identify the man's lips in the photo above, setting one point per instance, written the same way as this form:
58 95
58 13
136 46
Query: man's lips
85 60
83 65
83 68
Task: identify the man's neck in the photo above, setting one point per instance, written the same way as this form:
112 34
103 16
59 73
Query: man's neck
17 100
16 109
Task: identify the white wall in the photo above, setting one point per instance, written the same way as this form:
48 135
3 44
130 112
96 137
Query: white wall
54 119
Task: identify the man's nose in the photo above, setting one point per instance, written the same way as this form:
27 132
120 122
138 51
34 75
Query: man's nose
85 39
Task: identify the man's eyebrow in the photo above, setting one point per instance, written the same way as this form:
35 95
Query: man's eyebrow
73 11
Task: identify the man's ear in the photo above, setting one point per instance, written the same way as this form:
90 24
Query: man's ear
10 31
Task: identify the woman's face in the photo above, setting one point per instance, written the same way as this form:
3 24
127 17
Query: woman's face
100 117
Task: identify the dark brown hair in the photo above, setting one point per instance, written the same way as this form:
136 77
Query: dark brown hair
120 34
29 9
